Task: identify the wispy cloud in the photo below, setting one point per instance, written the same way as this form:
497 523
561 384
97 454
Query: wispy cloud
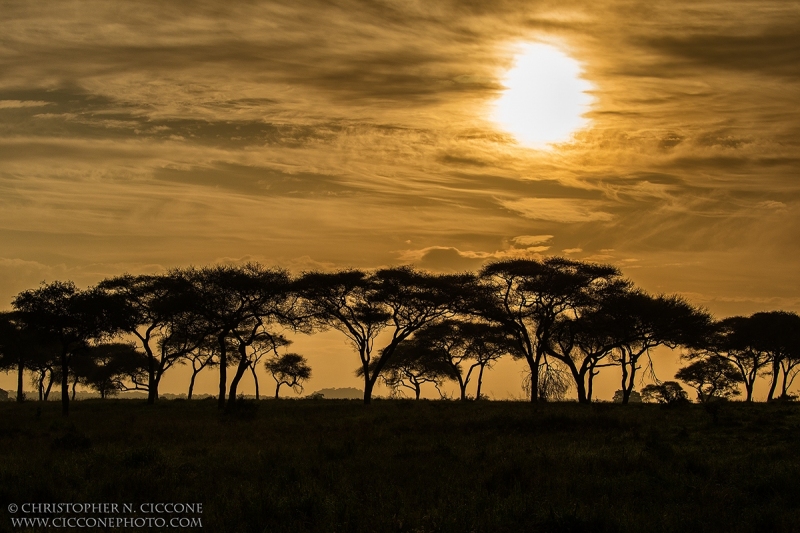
564 210
353 132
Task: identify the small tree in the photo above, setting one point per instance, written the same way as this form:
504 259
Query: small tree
554 382
289 369
712 377
452 349
412 366
108 368
204 355
669 393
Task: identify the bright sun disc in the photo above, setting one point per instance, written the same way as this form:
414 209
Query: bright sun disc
545 97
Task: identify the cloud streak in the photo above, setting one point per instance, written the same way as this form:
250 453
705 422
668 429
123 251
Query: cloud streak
357 132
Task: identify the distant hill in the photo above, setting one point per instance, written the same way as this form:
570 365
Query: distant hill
345 393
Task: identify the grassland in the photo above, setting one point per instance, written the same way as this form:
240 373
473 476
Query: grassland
408 466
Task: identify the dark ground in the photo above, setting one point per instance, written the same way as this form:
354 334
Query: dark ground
426 466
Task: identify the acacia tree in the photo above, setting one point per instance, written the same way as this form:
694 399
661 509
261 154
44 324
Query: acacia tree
738 340
157 310
464 347
397 301
777 335
290 369
413 365
43 369
642 322
668 392
204 355
237 304
108 368
264 345
66 316
528 296
582 339
712 377
790 367
22 349
11 344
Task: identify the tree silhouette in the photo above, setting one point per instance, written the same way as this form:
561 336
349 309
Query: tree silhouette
158 311
107 368
583 339
290 369
463 346
204 355
643 322
777 334
263 344
668 392
527 297
66 316
414 363
362 306
237 304
712 377
553 381
21 348
740 340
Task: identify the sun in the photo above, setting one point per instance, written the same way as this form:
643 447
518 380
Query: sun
545 97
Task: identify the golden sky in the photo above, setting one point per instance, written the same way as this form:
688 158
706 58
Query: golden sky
138 136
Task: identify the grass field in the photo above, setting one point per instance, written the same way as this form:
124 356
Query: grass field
424 466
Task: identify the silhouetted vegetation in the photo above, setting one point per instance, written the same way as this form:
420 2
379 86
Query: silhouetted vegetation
290 369
568 320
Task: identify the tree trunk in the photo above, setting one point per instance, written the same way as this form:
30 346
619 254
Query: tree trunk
783 384
20 370
368 385
626 391
240 370
152 387
191 384
64 383
223 369
480 383
776 364
590 384
278 390
624 365
49 385
74 384
580 387
748 387
255 380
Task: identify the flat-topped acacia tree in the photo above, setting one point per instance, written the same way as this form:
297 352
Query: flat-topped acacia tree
21 348
239 304
457 348
157 310
363 305
528 296
618 326
66 316
290 369
753 344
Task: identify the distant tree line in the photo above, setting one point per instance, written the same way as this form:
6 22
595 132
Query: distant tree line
566 319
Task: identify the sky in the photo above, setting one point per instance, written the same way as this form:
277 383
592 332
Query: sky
136 137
